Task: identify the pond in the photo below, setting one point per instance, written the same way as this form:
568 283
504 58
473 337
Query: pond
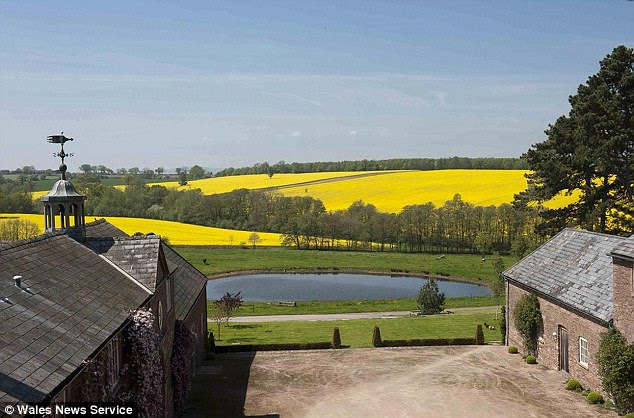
332 286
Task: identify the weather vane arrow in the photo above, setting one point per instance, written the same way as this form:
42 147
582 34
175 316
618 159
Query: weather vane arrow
60 139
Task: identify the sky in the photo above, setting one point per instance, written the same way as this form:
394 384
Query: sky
223 84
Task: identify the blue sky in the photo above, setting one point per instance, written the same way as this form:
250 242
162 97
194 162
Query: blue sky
233 83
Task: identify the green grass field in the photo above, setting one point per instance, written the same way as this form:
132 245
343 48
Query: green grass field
358 333
347 306
222 260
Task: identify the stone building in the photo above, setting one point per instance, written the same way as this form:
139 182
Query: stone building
584 283
66 299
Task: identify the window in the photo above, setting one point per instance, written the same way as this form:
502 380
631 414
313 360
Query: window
168 291
160 315
583 351
114 360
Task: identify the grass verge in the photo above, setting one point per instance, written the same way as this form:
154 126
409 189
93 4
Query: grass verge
350 306
358 333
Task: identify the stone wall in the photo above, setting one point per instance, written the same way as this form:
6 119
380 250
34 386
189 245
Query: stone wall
623 291
548 347
196 321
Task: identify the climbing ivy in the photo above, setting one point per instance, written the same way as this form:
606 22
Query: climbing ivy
616 368
528 321
182 353
145 368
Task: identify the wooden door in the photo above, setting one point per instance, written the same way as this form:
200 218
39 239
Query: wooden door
563 348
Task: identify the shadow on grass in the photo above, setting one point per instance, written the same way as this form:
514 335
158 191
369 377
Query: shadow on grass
244 326
219 388
240 340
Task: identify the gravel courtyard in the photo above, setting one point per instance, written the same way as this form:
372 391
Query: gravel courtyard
468 381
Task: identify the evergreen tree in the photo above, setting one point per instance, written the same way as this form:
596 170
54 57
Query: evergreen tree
589 153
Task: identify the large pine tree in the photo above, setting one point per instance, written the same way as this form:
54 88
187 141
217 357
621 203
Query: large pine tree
589 153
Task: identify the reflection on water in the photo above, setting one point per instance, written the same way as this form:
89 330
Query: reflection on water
331 286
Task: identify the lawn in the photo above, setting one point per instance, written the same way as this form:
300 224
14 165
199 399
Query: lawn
347 306
221 260
358 333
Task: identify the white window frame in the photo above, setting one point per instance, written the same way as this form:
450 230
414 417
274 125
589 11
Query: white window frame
584 352
114 360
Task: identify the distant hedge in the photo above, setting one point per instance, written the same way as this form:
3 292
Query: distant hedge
429 342
272 347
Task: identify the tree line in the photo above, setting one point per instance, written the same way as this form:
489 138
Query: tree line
304 222
378 165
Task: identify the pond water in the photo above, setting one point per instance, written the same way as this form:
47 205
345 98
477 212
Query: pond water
332 286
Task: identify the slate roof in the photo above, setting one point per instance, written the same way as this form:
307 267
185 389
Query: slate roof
101 228
70 303
625 248
138 256
188 281
575 268
62 191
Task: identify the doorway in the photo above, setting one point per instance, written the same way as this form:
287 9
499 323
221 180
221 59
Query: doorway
563 349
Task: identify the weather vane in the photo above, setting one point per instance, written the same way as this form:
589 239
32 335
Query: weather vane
60 139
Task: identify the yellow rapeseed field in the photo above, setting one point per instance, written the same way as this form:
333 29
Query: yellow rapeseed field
391 192
256 181
177 233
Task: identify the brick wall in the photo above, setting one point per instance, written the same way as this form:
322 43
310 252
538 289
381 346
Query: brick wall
548 346
623 292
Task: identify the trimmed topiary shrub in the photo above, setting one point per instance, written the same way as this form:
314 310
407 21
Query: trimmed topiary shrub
528 321
512 349
573 384
376 337
479 335
616 368
336 338
530 359
595 397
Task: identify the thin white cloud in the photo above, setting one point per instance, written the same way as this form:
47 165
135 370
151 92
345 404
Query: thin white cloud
296 134
296 97
353 133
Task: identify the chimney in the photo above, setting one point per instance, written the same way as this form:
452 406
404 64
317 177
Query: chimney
18 281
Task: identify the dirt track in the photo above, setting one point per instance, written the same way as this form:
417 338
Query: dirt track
471 381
